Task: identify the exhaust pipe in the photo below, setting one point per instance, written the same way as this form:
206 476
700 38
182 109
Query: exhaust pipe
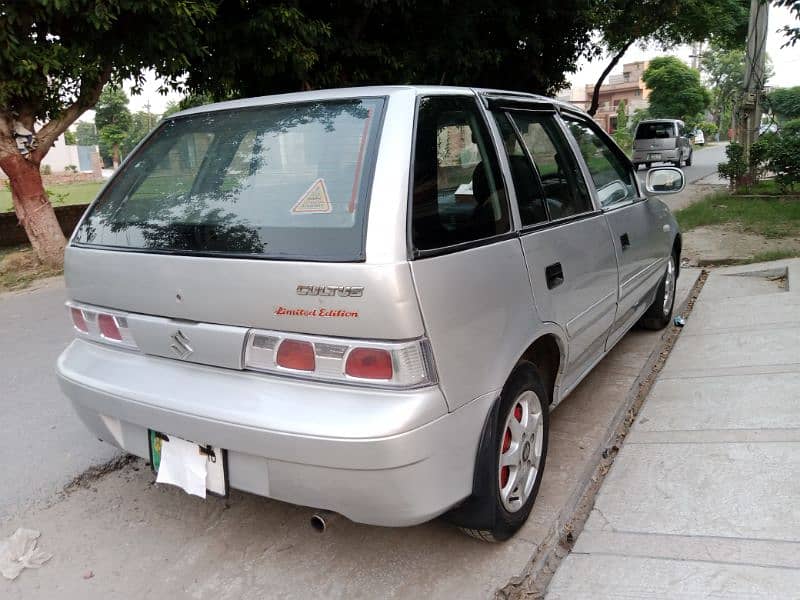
321 520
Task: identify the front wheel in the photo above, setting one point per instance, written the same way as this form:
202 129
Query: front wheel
516 456
659 314
689 160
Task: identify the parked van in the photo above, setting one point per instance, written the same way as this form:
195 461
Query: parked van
365 300
661 140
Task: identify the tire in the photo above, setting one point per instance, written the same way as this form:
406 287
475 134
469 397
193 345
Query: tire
659 314
648 165
516 436
689 160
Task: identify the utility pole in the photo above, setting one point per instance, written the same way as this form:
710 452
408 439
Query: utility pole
749 119
149 121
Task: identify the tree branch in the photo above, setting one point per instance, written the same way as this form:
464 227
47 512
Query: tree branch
48 134
596 93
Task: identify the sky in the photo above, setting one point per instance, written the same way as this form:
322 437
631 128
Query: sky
785 61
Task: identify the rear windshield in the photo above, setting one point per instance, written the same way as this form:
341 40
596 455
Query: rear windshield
285 181
650 131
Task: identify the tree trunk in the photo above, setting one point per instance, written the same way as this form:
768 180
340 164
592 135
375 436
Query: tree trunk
596 93
115 156
33 208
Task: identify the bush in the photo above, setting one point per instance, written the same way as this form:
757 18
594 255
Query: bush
47 170
784 160
736 168
791 127
760 153
71 169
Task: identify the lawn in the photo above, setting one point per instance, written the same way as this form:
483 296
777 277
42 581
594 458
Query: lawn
770 217
60 194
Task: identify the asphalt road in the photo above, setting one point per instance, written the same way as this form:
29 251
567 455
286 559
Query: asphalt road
44 445
704 162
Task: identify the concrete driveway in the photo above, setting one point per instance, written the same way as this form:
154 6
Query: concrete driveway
121 536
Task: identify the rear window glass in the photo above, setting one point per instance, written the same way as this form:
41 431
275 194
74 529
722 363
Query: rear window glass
286 181
650 131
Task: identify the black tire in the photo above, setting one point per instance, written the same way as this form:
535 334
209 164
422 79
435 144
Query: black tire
689 160
648 165
659 314
486 514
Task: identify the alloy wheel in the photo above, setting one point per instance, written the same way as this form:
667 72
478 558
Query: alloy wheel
520 450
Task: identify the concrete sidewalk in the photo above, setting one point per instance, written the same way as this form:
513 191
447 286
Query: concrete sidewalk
703 500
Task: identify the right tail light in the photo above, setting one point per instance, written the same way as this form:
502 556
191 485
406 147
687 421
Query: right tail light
406 364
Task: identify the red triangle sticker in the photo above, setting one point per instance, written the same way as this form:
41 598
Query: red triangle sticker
314 200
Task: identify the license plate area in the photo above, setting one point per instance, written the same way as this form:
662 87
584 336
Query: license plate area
181 459
654 156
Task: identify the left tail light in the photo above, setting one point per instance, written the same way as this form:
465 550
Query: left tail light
101 326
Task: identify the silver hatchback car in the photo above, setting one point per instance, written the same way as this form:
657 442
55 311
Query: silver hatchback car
364 300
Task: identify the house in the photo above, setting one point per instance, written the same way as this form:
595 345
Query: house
628 87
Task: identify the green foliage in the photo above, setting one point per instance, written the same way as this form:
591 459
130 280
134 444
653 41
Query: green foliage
141 124
791 127
675 89
759 156
784 159
671 22
86 134
258 48
71 169
770 217
113 121
708 128
189 101
640 114
784 103
69 138
622 134
724 70
47 170
735 168
791 32
57 54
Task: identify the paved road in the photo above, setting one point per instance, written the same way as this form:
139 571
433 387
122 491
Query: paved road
704 162
44 445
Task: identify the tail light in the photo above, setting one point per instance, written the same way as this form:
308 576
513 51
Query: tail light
101 326
382 364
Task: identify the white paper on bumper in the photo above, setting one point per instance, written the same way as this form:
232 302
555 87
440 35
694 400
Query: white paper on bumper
183 464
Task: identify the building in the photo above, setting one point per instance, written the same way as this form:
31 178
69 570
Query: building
628 87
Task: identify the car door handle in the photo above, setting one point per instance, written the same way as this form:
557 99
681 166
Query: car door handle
555 275
625 241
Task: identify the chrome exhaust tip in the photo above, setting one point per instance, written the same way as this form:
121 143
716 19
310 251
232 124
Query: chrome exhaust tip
321 520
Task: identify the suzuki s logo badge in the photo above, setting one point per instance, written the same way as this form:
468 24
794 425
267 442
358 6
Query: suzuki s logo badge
345 291
180 345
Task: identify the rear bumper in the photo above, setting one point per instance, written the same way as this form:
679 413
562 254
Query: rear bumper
641 156
382 458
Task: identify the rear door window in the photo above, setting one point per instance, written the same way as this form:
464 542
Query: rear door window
285 181
655 131
564 189
458 193
613 177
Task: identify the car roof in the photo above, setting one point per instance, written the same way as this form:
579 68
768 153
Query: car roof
363 92
660 121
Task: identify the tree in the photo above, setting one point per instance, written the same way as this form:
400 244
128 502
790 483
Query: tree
69 138
623 23
675 89
86 134
112 120
142 122
622 134
55 58
784 103
258 48
793 33
724 71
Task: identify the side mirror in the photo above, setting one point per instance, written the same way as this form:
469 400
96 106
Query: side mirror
664 180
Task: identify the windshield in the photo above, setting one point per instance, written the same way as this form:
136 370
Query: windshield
650 131
286 181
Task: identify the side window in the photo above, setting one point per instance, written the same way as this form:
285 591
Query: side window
613 178
564 190
530 197
458 193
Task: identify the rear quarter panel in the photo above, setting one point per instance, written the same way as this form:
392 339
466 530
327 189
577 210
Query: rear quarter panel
479 314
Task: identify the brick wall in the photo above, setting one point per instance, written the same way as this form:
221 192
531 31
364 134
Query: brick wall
12 234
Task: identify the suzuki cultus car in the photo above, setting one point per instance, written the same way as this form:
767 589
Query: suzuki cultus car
362 300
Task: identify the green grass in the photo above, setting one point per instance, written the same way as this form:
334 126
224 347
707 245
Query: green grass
775 255
770 217
60 195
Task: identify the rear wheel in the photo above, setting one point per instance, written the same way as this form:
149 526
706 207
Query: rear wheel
516 456
659 313
648 165
689 160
